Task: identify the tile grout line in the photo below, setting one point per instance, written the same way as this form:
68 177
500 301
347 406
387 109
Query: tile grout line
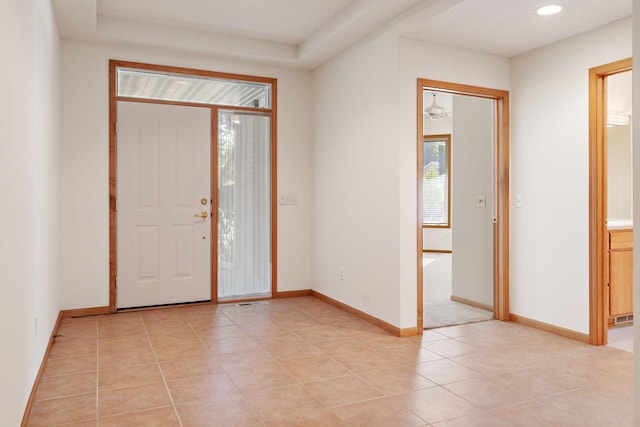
98 372
226 373
164 380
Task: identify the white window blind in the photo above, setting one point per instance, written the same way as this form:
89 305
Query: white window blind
435 182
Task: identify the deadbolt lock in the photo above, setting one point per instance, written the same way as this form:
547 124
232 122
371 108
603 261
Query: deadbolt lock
204 201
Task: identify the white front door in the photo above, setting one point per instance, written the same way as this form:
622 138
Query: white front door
163 204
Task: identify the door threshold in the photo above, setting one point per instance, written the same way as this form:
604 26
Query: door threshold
161 306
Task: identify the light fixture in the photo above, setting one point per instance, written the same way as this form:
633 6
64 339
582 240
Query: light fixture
434 111
550 9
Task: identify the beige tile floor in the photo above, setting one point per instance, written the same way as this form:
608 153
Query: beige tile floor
301 362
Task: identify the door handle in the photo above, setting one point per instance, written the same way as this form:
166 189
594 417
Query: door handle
202 214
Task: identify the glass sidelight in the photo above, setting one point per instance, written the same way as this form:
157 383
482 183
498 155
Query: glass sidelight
244 205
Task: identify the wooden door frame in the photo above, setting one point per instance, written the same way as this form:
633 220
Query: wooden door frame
114 98
598 310
502 163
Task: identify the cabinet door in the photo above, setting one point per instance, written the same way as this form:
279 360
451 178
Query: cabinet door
620 283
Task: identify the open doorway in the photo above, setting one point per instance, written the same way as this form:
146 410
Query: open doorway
457 219
611 225
470 207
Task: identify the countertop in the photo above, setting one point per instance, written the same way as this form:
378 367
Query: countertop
619 224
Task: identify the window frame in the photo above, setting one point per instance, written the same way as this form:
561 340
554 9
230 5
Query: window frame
446 138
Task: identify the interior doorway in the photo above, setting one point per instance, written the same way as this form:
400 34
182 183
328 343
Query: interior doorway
499 204
458 208
611 199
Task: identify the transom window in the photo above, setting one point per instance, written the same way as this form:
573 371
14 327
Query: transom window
145 84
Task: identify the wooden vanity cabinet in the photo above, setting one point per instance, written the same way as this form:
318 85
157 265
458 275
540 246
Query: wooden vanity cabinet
620 273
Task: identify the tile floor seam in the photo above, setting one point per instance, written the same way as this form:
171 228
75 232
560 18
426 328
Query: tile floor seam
164 380
97 372
342 405
328 378
541 401
517 402
257 412
492 413
138 411
230 377
248 402
334 360
400 393
62 396
414 412
451 359
444 387
119 414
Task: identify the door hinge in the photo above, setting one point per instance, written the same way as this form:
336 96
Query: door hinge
116 280
116 204
117 127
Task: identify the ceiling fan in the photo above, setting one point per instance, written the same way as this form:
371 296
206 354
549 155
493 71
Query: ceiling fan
435 111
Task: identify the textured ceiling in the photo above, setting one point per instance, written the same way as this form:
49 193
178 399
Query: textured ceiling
511 27
305 33
288 21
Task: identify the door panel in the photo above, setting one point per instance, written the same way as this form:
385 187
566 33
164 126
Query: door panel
473 200
163 174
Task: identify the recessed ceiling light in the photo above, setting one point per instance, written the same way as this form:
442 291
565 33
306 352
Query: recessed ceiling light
551 9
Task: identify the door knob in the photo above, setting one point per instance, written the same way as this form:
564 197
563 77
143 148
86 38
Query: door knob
202 214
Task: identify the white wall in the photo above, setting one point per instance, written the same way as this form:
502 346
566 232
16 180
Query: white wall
29 188
550 168
365 167
355 179
437 239
84 161
619 172
619 153
473 140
